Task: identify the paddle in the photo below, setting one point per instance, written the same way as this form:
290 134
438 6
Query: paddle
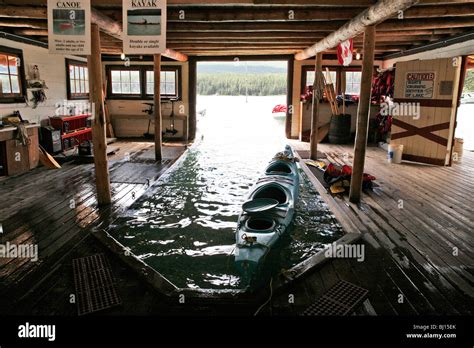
259 205
47 160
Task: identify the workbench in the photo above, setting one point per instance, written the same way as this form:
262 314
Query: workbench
16 158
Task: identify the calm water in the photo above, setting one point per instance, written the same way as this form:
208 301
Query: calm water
59 28
185 226
465 127
146 29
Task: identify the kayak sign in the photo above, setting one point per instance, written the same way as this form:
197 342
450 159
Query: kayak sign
419 85
69 29
144 26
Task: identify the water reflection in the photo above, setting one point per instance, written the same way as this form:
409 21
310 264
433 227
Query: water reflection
185 229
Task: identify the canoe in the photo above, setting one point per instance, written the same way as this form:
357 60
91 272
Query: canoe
259 229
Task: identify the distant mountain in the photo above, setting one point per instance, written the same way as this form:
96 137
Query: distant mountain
252 68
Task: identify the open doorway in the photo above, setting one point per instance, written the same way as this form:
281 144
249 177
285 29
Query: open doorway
465 115
242 103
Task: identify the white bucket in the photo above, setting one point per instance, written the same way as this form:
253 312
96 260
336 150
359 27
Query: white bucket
395 153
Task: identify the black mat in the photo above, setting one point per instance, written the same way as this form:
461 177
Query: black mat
95 284
342 299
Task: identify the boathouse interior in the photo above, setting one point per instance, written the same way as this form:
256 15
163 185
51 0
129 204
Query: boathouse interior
62 189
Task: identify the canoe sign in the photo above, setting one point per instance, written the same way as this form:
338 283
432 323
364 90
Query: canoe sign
69 29
419 85
144 26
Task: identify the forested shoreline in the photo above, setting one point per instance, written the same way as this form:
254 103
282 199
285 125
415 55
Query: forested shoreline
240 84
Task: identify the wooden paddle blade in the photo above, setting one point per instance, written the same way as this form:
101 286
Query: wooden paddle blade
47 160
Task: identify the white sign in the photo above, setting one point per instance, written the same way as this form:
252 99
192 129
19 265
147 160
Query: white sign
69 28
144 26
419 85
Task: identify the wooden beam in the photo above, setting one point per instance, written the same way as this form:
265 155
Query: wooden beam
318 67
314 13
157 102
379 12
24 12
23 23
323 26
106 24
99 140
428 23
294 26
178 56
289 35
114 29
383 40
363 114
31 32
338 3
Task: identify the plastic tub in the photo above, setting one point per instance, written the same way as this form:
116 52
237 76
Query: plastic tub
395 153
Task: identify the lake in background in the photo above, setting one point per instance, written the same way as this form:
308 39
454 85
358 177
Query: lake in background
185 227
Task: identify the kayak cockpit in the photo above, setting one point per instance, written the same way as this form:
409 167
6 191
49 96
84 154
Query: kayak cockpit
260 224
279 168
272 191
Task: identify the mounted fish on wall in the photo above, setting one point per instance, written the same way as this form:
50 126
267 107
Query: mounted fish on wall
69 29
144 26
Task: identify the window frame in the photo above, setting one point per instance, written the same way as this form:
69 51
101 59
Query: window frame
13 99
307 68
70 96
177 70
142 74
339 70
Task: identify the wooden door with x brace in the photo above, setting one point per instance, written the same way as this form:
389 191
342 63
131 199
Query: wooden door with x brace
426 94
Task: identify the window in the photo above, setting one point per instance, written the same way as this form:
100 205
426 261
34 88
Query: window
168 85
310 77
11 76
125 82
137 82
353 82
77 79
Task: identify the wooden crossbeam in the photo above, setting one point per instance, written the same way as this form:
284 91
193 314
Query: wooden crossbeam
303 26
425 132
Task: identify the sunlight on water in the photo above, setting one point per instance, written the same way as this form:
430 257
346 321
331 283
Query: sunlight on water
185 227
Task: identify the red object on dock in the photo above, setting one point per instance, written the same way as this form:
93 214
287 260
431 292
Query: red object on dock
279 108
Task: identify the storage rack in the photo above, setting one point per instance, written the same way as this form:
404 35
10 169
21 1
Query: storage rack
74 129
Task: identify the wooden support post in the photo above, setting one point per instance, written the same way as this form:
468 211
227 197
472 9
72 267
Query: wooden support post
157 100
363 114
192 122
289 97
313 153
96 98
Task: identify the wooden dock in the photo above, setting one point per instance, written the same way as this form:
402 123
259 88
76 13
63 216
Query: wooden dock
410 265
56 210
418 234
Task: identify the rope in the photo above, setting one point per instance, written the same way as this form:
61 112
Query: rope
267 301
